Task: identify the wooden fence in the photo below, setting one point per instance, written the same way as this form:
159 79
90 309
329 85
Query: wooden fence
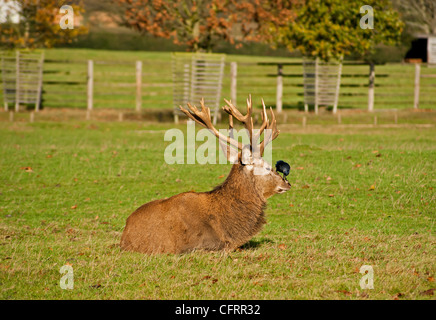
149 84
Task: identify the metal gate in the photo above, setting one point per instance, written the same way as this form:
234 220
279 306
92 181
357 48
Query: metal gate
22 79
196 76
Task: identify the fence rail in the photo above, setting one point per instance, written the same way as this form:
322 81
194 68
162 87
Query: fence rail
149 84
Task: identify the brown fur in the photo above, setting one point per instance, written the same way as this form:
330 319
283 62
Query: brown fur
222 219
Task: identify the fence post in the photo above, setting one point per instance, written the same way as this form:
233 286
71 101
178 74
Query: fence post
233 83
138 85
417 80
371 87
39 91
316 84
279 88
90 83
17 82
338 86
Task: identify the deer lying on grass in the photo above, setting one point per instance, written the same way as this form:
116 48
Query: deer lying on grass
222 219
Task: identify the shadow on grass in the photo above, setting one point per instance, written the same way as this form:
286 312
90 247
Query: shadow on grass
252 244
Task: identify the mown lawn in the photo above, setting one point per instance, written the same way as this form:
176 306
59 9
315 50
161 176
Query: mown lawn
359 197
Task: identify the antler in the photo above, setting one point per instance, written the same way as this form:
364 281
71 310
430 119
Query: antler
203 118
247 120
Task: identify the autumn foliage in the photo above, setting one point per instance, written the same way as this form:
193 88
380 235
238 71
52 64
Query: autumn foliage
199 24
38 24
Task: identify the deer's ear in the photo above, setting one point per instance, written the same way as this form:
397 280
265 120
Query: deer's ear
231 153
246 157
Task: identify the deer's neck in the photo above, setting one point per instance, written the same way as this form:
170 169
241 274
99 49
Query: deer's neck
239 186
237 209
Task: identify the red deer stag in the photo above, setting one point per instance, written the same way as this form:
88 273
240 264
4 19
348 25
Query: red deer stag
224 218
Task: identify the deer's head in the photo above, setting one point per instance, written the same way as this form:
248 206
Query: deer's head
249 156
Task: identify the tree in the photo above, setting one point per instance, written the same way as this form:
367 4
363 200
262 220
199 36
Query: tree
419 15
199 24
330 29
35 23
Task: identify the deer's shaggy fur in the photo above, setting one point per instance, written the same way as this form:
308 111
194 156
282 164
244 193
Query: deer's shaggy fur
222 219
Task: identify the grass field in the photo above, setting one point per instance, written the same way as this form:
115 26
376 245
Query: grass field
65 79
359 197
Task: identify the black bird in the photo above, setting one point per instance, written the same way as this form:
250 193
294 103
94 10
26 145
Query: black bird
283 167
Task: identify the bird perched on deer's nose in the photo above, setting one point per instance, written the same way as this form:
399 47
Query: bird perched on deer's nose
283 167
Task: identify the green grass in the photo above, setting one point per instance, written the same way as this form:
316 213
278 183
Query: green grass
359 197
65 78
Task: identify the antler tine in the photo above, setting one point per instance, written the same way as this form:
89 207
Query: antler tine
247 120
271 126
264 123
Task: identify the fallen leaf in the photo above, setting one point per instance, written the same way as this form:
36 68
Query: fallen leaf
331 195
347 293
306 187
428 292
221 176
282 246
49 156
398 295
329 178
358 165
430 279
299 168
74 207
27 169
372 187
